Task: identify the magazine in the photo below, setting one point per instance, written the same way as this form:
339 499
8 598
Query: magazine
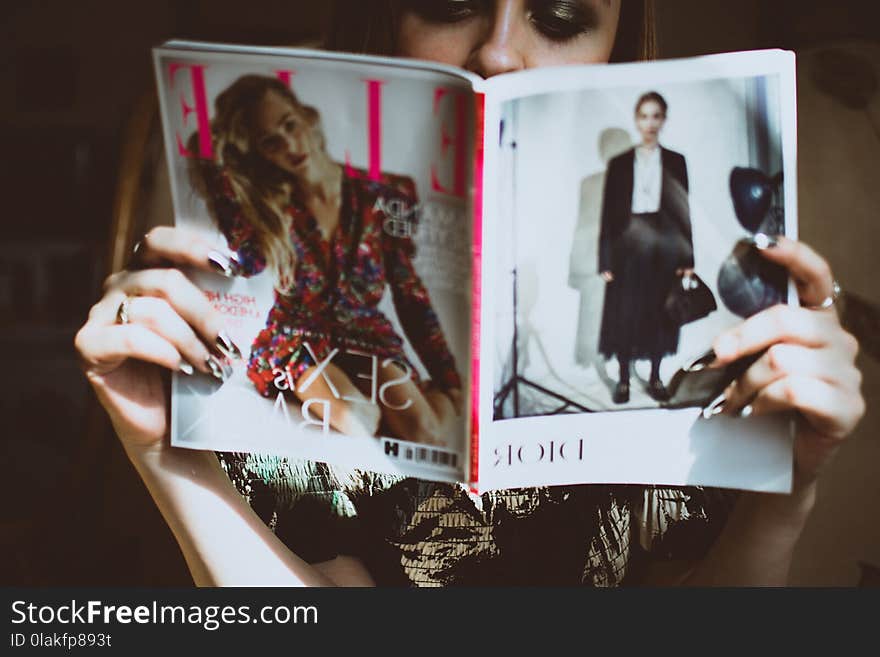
505 282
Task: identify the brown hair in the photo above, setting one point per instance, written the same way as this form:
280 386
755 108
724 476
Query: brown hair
262 189
652 96
370 26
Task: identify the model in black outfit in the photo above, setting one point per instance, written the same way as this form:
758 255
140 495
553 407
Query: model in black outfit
643 254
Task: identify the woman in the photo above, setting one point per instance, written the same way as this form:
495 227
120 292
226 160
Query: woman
281 200
418 532
645 247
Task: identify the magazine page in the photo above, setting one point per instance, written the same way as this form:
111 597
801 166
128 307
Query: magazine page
339 192
623 210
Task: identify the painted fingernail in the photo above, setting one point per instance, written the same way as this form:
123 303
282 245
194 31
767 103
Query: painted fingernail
746 411
220 263
716 407
227 346
762 241
219 370
186 368
701 363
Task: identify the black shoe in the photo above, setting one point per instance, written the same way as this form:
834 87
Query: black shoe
621 393
658 391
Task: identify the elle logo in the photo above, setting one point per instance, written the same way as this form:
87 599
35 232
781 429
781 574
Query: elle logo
454 140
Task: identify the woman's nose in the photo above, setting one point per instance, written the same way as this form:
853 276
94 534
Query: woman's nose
502 46
291 144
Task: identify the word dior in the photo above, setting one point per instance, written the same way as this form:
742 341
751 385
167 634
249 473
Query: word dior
549 452
284 381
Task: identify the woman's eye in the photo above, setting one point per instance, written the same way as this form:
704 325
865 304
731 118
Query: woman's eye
290 125
271 144
562 20
444 11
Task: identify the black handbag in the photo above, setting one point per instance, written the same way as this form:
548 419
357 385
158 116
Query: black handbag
689 299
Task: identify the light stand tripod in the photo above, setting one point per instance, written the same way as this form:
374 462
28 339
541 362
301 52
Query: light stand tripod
512 385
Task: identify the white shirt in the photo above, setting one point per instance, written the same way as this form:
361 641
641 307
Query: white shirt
647 177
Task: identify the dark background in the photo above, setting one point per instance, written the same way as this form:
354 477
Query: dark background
72 74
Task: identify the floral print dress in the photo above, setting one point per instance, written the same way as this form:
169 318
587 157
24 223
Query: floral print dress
333 299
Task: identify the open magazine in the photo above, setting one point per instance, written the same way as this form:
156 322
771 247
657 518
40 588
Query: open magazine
505 282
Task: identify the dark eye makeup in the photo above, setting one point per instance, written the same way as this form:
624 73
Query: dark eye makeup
563 19
558 20
444 11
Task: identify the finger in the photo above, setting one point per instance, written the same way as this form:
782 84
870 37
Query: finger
782 360
830 410
104 311
166 245
104 348
158 316
184 297
777 324
810 271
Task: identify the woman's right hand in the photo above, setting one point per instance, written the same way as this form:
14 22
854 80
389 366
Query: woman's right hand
607 276
170 325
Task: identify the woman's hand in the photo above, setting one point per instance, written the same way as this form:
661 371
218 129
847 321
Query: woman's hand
607 276
684 272
808 363
166 323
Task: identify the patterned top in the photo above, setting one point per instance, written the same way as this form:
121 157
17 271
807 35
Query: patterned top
338 283
419 533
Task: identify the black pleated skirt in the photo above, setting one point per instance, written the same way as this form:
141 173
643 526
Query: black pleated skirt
645 258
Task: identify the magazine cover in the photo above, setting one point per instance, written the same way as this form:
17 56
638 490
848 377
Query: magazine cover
339 195
625 242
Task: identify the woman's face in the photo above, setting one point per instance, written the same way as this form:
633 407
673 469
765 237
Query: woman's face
282 135
650 118
489 37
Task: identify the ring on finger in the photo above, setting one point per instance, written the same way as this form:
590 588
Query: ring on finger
830 300
123 312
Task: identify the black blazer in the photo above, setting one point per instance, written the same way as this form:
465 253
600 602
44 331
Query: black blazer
617 203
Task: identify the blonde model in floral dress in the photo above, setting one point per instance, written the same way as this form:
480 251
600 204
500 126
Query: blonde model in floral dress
323 228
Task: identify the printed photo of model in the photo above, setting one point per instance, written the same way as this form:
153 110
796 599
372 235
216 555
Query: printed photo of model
645 249
660 195
319 226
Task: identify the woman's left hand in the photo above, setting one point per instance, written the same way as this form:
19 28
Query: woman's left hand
808 362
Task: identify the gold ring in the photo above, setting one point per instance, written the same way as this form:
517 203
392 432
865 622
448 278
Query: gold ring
830 300
122 312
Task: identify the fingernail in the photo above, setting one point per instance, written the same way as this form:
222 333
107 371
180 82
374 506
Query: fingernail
228 265
227 346
762 241
746 411
725 346
219 370
134 260
716 407
701 363
186 368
